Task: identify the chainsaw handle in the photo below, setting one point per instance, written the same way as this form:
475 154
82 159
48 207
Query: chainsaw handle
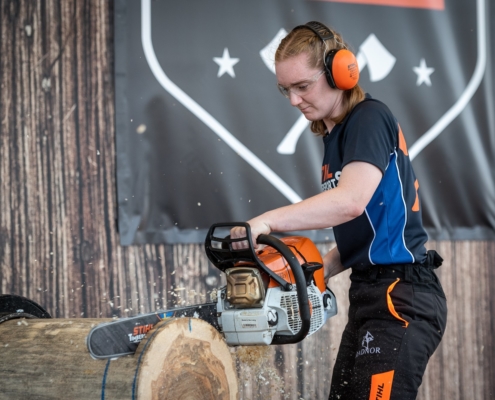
226 256
302 294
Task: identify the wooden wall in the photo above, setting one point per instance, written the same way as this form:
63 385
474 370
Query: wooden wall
58 239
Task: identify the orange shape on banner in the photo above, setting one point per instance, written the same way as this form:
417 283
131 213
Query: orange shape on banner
431 4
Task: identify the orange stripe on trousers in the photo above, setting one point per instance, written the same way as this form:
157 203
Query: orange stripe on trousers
390 304
381 386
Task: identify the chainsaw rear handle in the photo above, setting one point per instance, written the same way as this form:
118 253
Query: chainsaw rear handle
302 293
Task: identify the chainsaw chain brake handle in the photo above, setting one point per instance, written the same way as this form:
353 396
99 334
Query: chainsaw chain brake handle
224 256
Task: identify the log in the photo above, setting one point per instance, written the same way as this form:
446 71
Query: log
180 358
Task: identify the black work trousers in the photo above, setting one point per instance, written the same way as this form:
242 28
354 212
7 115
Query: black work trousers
397 317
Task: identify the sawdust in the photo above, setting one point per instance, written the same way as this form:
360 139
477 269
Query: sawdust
253 356
255 367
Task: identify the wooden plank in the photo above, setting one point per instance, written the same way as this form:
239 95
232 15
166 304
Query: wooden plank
58 208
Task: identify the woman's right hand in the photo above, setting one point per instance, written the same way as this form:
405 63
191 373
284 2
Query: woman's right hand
331 264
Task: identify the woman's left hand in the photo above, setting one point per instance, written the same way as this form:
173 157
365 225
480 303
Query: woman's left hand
258 227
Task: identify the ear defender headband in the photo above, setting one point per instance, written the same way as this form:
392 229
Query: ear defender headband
341 67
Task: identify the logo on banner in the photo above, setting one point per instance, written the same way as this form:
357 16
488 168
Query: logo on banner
373 54
220 77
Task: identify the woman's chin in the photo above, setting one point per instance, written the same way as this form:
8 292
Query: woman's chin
309 116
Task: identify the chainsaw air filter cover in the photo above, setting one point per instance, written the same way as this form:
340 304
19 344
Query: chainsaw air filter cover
245 288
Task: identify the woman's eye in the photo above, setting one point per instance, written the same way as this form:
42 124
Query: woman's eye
302 88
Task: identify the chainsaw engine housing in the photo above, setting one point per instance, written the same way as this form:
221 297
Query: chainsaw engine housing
254 307
278 315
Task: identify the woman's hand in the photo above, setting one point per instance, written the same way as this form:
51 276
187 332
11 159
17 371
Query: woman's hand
258 226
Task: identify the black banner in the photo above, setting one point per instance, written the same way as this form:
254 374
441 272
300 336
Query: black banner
204 136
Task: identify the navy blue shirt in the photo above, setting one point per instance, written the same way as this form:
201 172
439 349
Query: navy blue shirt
390 231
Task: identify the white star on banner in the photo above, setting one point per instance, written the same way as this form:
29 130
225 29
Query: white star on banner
226 64
423 73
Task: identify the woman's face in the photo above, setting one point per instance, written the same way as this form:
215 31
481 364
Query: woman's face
308 89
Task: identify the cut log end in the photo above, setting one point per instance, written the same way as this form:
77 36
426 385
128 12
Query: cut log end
185 359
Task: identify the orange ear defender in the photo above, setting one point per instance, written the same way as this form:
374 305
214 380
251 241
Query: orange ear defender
341 67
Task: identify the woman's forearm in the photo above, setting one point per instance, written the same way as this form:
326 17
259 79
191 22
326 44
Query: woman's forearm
331 263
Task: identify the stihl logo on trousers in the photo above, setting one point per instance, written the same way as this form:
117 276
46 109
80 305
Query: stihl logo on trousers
379 391
381 385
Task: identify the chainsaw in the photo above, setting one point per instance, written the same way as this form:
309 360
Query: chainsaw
274 295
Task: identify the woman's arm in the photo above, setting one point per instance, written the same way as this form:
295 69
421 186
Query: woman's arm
331 263
347 201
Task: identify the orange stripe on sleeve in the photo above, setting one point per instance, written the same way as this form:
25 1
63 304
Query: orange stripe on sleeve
402 142
381 385
390 304
415 206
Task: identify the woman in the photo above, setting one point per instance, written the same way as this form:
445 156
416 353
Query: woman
397 313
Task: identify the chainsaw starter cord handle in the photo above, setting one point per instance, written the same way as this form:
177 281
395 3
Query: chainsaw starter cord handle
302 294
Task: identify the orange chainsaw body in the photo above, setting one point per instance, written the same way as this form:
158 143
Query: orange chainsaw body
304 250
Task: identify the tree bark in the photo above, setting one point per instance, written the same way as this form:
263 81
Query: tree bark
183 358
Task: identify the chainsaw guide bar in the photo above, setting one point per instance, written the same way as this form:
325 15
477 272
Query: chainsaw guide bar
122 337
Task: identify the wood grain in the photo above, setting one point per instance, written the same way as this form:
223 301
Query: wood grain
186 359
180 359
48 359
59 244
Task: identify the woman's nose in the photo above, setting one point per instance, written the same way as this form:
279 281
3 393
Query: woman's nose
295 99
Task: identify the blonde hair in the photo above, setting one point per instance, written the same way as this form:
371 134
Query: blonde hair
306 41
